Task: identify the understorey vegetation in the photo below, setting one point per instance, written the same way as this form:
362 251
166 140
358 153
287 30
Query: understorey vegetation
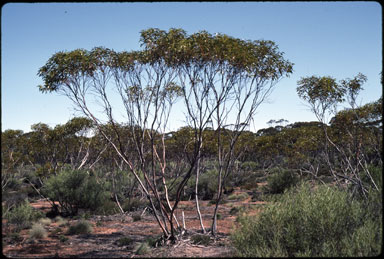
323 178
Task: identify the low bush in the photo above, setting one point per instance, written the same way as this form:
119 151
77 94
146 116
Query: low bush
235 210
75 189
207 186
201 239
63 238
134 203
45 221
57 231
136 217
108 207
306 222
280 179
81 227
239 196
125 241
142 249
23 215
37 231
153 241
60 221
15 237
249 166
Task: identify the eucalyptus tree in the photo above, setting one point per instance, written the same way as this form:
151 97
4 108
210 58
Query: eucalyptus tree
324 95
242 75
146 92
212 74
223 81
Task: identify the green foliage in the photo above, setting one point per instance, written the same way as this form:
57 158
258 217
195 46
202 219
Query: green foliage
15 237
57 231
245 178
153 241
235 210
199 239
134 203
323 89
75 189
280 179
136 217
376 172
60 221
240 196
81 227
45 221
142 249
23 215
321 222
107 207
125 241
207 185
63 238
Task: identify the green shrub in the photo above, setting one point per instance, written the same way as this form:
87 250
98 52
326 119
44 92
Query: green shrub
235 210
15 237
45 221
134 203
306 222
57 231
125 241
63 238
136 217
108 207
239 196
376 173
76 189
60 221
81 227
249 166
280 179
201 239
23 215
142 249
152 241
37 231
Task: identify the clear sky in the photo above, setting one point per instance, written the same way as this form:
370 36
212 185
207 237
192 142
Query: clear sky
338 39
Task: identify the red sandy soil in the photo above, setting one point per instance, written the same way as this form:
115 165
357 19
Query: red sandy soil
107 230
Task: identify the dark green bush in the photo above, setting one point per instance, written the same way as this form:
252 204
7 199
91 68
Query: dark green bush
207 186
201 239
23 215
234 210
142 249
125 241
281 179
75 189
81 227
63 238
134 203
136 217
249 166
306 222
107 207
247 176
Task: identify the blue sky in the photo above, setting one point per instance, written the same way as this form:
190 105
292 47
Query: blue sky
338 39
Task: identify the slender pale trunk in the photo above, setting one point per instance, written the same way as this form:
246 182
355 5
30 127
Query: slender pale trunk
196 194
